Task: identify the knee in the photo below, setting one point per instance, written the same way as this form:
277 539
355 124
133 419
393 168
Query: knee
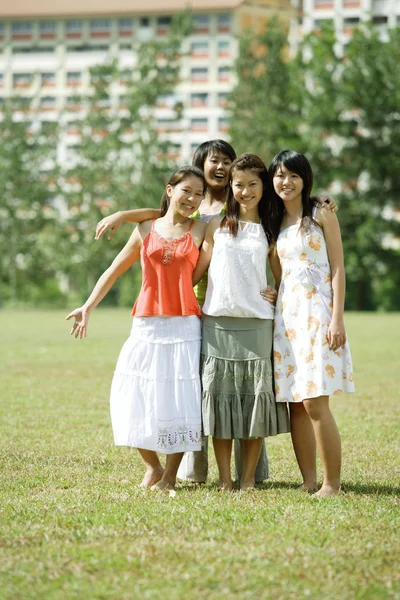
316 408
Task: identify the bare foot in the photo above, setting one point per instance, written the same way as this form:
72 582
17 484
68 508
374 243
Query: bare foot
162 485
310 488
327 490
247 485
151 477
225 487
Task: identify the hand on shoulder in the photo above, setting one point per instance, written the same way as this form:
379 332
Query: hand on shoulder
325 218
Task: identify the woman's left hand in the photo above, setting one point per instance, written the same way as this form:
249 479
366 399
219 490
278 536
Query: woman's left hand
269 294
336 335
329 204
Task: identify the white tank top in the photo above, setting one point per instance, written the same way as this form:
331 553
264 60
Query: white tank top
237 274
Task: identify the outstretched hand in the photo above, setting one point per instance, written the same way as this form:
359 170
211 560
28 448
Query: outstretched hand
79 328
269 294
111 223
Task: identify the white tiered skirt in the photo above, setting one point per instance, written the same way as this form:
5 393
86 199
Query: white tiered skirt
155 393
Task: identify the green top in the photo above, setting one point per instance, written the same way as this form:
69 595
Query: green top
201 288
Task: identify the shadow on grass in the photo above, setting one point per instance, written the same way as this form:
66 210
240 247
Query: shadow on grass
367 489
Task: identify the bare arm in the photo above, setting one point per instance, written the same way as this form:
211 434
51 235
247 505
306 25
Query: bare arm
275 265
114 221
128 255
206 250
333 238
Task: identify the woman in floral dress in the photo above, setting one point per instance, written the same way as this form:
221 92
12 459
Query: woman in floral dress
312 358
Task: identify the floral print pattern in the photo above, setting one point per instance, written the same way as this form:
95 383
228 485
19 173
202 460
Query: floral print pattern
304 366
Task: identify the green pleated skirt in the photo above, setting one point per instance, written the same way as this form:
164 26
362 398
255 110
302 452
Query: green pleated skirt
238 400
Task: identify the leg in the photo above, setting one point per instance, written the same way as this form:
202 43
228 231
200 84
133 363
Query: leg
194 465
168 479
328 443
304 445
251 454
154 469
262 468
223 451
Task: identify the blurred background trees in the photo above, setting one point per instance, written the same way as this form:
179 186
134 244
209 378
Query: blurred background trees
343 112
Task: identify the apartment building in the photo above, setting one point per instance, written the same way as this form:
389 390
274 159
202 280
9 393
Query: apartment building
345 16
47 49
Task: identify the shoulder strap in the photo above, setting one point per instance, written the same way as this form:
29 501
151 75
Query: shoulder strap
191 224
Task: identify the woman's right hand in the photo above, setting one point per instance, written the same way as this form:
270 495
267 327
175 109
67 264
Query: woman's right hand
112 223
79 328
269 294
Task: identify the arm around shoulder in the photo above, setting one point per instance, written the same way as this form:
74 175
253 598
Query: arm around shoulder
206 250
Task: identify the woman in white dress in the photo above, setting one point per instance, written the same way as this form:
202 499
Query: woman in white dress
311 354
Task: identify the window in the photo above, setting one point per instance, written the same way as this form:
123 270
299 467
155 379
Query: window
73 27
223 48
201 23
164 21
47 27
21 28
144 22
48 79
32 49
125 27
74 78
222 99
351 21
199 74
199 49
22 79
48 102
223 73
88 48
222 124
1 79
379 20
100 27
199 99
2 28
224 22
199 124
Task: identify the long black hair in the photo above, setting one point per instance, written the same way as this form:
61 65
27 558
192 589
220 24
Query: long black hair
248 162
296 163
178 176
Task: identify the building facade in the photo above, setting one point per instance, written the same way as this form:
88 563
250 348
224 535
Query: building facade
47 49
345 16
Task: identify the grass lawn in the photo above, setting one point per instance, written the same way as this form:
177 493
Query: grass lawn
75 525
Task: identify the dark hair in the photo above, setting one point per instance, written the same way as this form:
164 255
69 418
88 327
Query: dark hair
180 175
296 163
248 162
201 153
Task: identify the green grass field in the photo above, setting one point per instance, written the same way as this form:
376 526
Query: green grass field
75 525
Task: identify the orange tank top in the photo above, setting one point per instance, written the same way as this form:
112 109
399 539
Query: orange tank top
167 269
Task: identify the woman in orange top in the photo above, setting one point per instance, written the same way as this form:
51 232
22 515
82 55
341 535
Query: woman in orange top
155 393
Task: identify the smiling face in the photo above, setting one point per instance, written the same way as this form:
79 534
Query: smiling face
287 184
216 170
186 195
247 188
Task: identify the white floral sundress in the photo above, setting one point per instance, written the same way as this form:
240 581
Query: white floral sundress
304 366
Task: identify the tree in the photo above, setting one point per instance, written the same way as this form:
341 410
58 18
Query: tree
122 162
263 106
350 111
27 162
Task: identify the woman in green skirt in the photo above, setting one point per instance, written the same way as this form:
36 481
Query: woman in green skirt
238 399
